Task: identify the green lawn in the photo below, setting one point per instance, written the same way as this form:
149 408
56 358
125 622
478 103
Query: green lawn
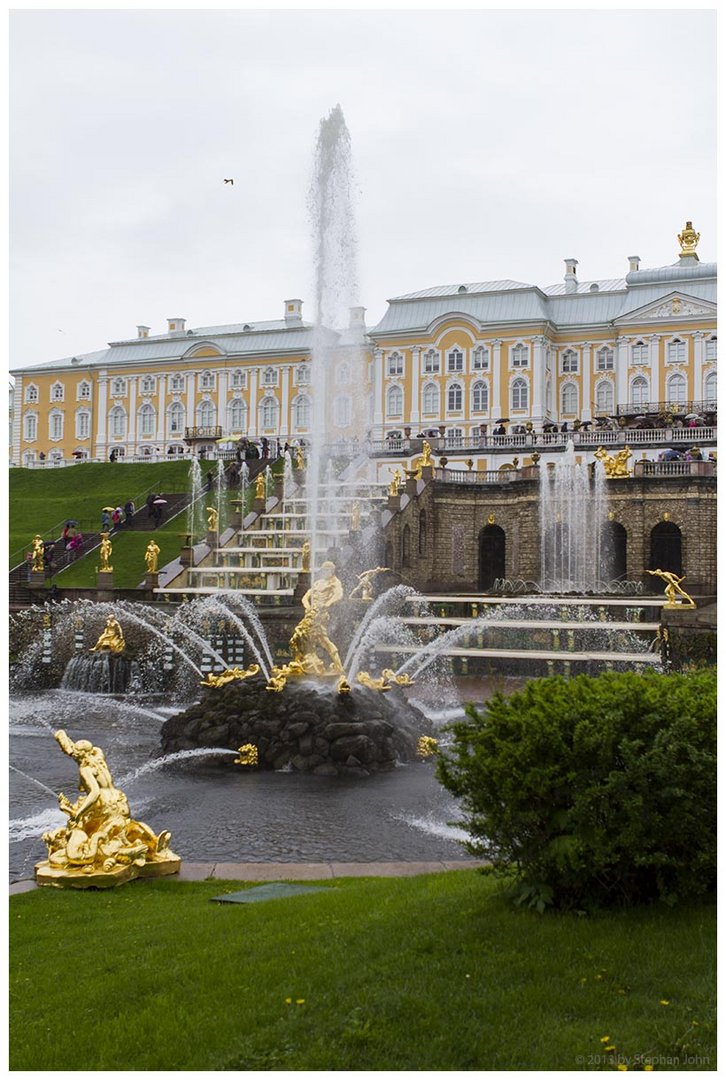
427 973
42 499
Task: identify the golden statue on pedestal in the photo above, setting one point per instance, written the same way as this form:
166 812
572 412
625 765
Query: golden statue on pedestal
101 844
426 458
394 488
230 675
104 554
305 556
673 589
260 486
364 586
617 466
38 564
310 638
688 239
151 557
112 638
212 519
299 458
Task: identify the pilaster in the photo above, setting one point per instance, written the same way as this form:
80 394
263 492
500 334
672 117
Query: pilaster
378 359
586 402
17 418
101 416
285 425
161 412
538 379
497 409
621 372
191 394
654 352
415 414
131 433
698 351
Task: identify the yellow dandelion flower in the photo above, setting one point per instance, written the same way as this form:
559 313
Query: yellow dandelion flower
664 1002
299 1001
605 1038
610 1049
598 978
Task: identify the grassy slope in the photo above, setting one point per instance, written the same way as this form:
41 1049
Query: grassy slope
41 498
426 973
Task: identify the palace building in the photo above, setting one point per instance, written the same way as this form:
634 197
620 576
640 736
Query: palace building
455 362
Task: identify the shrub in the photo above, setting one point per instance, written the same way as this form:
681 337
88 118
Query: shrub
593 790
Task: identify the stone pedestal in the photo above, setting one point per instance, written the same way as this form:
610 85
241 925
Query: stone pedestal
104 580
427 472
151 581
186 556
258 506
410 488
37 579
212 538
394 503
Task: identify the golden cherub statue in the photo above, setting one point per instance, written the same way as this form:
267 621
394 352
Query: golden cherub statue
400 680
101 844
367 680
104 555
688 239
38 564
426 458
394 488
673 589
212 519
111 639
230 675
364 586
614 466
260 486
151 557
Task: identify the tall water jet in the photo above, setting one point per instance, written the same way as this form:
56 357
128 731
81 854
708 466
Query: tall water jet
336 285
572 512
195 526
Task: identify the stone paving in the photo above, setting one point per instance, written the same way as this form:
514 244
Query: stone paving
229 871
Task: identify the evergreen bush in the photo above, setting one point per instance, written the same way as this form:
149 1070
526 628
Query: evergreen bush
592 790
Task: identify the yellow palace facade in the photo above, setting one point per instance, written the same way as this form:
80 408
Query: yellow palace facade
458 360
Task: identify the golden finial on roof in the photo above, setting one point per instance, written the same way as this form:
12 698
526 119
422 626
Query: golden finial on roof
688 239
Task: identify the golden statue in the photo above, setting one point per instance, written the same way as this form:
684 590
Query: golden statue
688 239
105 553
373 684
427 746
355 517
305 560
364 586
299 457
212 519
394 488
617 466
101 844
230 675
310 638
151 557
673 589
260 486
426 458
247 754
112 638
400 680
38 565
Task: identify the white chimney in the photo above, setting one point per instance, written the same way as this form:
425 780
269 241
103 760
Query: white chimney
634 261
357 317
570 275
143 331
293 311
176 326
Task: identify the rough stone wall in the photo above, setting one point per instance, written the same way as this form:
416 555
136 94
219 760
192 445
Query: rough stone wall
455 515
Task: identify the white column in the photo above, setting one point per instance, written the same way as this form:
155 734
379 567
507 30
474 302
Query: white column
161 415
415 415
222 377
621 372
698 350
131 431
655 394
17 418
378 357
586 403
102 417
252 418
497 409
284 426
191 395
538 379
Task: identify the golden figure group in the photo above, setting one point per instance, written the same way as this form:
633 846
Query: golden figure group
230 675
387 678
100 842
112 638
616 466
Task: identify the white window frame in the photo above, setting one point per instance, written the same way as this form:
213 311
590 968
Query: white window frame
394 392
608 405
710 380
639 390
394 363
570 363
119 387
118 422
456 387
56 425
83 386
677 351
455 360
480 358
678 379
203 408
30 427
81 416
269 377
302 375
177 383
434 388
146 421
32 394
57 392
710 351
239 379
522 387
269 410
477 388
302 404
176 409
519 356
207 380
431 362
237 405
148 384
569 390
640 353
605 359
455 438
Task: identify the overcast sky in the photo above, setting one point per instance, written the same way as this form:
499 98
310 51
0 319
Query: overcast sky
487 144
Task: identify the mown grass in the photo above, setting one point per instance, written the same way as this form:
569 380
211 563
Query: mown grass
41 499
427 973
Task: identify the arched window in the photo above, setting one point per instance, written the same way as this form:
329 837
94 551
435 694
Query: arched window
431 399
176 383
84 391
147 384
342 410
269 377
206 414
710 388
118 387
677 351
570 362
394 364
604 396
455 360
569 399
676 390
605 359
55 424
301 412
454 398
55 457
481 359
117 418
520 394
431 362
206 380
83 424
176 418
268 413
342 374
147 420
640 352
237 416
30 424
520 356
394 401
29 458
639 391
239 380
56 392
479 397
31 394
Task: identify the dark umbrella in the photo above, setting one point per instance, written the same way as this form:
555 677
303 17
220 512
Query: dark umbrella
72 521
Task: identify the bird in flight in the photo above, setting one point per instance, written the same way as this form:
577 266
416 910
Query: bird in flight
229 182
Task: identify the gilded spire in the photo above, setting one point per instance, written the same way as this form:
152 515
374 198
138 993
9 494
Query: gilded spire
688 239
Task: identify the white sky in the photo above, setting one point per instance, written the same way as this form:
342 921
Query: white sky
487 144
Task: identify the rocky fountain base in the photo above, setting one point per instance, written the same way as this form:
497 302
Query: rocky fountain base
306 728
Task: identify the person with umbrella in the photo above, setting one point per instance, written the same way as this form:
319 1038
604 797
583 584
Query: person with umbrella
157 509
106 518
129 511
